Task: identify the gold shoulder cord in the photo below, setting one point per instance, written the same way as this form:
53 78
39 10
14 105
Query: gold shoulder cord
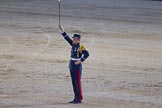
80 49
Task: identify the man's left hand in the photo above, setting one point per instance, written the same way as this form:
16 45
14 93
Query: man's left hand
77 62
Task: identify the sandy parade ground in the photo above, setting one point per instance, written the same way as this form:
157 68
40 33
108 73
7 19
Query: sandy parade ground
124 38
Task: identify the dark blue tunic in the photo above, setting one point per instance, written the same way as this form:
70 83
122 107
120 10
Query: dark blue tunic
75 53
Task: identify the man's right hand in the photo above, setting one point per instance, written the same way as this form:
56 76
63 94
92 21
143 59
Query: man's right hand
61 28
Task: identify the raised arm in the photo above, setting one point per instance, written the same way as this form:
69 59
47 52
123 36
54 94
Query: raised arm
64 34
67 38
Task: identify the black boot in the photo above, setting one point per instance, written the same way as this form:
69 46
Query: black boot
73 101
77 102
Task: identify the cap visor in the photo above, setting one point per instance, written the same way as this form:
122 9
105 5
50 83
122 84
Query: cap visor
76 37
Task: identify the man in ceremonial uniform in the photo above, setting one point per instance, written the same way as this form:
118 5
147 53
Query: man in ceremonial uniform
78 55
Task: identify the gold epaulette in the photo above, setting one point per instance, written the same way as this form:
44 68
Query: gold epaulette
81 48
